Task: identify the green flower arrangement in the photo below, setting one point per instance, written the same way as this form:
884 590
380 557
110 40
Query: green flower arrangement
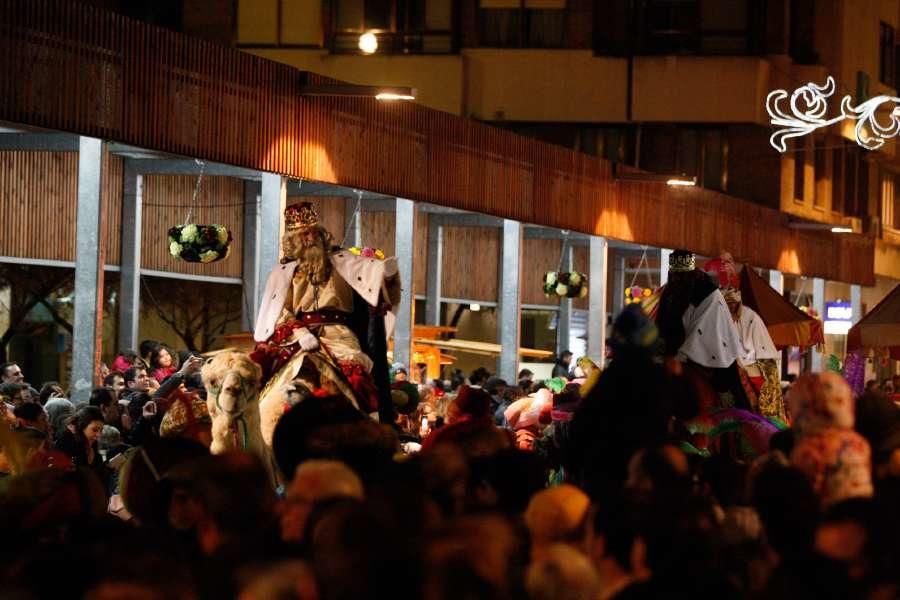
565 285
199 243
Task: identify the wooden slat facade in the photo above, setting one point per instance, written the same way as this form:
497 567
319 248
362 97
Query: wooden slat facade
71 67
38 194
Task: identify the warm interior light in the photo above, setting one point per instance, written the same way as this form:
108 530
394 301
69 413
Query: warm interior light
368 43
841 230
392 96
474 307
837 327
685 181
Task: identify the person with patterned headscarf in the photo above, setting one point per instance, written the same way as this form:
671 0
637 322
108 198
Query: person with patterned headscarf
322 319
759 353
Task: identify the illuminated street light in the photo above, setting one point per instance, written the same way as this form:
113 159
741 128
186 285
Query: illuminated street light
368 43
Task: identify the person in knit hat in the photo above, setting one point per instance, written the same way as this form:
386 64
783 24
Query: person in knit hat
836 459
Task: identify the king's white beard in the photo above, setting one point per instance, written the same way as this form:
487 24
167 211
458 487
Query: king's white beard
314 262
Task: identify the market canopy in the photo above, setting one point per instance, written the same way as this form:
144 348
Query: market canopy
880 329
787 324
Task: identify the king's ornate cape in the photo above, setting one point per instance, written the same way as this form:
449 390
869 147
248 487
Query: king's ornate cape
364 275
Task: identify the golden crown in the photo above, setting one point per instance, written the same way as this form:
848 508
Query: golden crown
300 216
681 261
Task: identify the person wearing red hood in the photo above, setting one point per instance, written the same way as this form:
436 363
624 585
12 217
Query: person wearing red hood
468 415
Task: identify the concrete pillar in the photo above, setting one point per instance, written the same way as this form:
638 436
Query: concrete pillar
819 306
618 303
564 317
254 280
856 302
434 273
271 225
597 299
510 301
404 241
664 266
776 280
90 243
130 270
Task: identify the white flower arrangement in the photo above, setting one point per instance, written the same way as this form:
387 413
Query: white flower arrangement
189 234
565 285
199 243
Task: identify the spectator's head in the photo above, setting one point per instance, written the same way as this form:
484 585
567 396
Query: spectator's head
872 386
110 437
495 386
562 573
314 482
142 486
15 393
11 373
838 463
292 436
615 532
126 360
31 414
470 401
88 423
479 376
236 503
137 379
878 420
525 375
146 347
662 470
565 358
844 536
557 515
59 411
49 390
161 358
115 381
104 399
787 507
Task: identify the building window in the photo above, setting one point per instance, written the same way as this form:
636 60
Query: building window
839 180
886 56
698 26
856 181
821 173
522 23
615 144
401 26
799 172
890 201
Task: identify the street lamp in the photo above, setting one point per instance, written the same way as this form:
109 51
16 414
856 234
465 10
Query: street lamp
384 93
368 43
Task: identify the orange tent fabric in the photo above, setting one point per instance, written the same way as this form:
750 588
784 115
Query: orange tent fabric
787 324
880 328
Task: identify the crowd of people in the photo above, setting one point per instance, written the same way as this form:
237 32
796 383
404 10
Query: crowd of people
594 484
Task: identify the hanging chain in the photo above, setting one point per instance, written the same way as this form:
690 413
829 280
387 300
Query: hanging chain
565 244
355 220
196 191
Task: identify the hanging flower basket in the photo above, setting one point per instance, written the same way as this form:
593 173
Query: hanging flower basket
199 243
565 285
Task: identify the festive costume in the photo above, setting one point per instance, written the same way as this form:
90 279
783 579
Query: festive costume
759 355
327 328
696 326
